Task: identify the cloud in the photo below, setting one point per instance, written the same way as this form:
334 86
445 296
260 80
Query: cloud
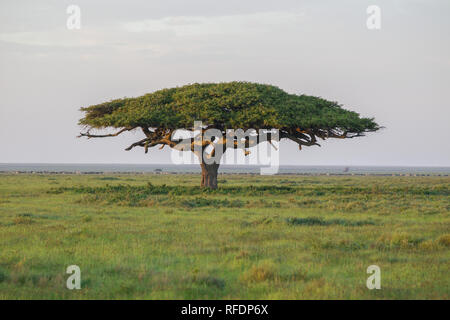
218 25
93 40
160 37
58 38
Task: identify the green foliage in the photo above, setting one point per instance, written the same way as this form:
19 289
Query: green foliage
164 189
311 221
225 106
167 195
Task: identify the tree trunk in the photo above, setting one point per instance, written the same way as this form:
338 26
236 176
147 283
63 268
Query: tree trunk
209 175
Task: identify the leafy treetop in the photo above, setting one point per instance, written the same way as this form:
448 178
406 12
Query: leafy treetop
223 106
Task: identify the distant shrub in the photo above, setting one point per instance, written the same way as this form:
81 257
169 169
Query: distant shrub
306 202
25 215
305 221
294 275
264 271
204 202
23 218
87 218
208 281
311 221
3 276
398 240
444 240
369 190
428 245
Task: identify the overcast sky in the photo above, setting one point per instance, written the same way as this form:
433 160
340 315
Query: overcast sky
399 74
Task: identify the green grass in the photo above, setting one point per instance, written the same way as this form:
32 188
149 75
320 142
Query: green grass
256 237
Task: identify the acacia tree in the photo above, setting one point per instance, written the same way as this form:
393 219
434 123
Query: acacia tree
223 106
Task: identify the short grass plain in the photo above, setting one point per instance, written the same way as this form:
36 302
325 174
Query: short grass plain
256 237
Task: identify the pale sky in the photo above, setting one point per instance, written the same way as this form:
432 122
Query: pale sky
399 74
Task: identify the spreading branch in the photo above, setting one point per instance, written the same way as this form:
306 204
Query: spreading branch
89 135
164 137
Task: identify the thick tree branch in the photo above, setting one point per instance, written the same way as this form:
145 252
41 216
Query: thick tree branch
88 135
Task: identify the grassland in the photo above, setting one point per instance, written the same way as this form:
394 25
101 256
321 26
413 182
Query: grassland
256 237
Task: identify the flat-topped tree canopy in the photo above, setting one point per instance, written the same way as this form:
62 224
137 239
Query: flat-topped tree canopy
223 106
226 105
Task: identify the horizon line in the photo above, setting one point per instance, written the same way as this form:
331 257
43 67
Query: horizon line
196 164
